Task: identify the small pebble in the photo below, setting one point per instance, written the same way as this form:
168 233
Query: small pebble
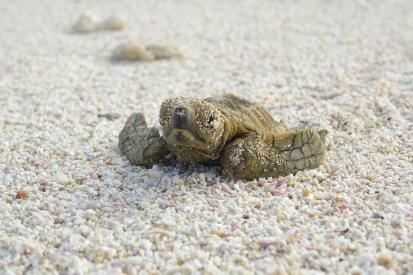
385 261
306 192
222 234
22 195
378 216
110 116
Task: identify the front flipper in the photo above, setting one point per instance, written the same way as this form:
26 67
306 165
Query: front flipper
140 144
274 154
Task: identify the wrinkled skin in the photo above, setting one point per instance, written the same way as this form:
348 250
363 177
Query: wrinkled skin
240 135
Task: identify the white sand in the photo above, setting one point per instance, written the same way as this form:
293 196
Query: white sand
341 65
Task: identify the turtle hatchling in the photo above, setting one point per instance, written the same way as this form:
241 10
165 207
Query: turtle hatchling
240 135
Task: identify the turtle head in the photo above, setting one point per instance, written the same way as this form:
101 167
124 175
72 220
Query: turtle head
192 128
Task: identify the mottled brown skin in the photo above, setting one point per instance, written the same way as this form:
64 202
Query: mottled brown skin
241 136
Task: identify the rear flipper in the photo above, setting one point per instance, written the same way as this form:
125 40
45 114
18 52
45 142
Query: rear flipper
274 154
142 145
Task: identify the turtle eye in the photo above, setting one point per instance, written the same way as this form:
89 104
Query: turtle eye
211 119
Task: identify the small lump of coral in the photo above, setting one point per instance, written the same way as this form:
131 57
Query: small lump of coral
138 52
85 24
132 52
164 52
88 24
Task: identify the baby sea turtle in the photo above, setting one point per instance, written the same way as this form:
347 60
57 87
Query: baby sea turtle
241 136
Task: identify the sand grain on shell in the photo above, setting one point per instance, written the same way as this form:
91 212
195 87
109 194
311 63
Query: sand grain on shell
346 67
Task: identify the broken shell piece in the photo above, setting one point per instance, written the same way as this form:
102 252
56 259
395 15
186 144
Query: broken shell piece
164 52
113 23
85 24
132 52
139 52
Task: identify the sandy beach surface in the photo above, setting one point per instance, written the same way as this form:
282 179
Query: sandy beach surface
71 204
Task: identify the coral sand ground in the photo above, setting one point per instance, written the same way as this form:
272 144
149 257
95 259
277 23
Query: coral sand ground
69 202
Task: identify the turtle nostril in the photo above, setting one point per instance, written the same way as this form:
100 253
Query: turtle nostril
179 110
179 117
